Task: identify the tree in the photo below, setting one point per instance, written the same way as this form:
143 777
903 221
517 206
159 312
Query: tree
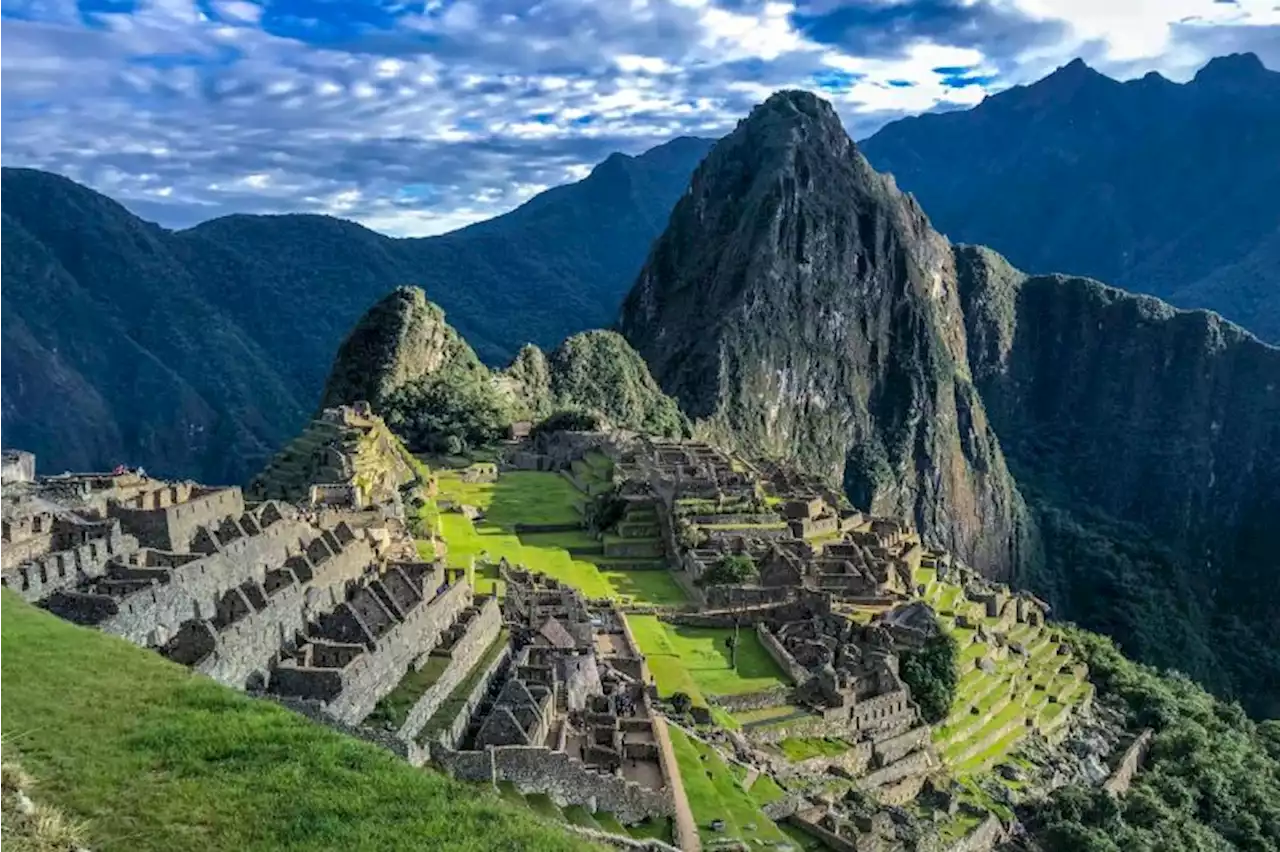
451 412
731 570
567 420
931 675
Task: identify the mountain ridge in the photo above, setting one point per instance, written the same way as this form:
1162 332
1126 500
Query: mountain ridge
233 323
1151 185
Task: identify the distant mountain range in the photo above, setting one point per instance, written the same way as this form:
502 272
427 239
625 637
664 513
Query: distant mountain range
1157 187
200 352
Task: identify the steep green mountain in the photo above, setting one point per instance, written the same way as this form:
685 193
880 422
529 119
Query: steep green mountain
1162 188
800 306
200 352
402 339
1118 455
416 371
1147 440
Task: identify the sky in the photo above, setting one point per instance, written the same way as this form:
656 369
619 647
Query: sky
418 118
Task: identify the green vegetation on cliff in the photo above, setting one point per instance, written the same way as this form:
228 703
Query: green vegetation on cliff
418 372
1211 780
154 757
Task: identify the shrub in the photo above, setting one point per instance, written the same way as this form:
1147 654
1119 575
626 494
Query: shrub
932 675
731 570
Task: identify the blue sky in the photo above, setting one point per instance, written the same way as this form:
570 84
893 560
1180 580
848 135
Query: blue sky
416 118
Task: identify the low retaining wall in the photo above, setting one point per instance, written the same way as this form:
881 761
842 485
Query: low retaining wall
1122 777
914 764
982 839
522 529
565 779
771 697
796 672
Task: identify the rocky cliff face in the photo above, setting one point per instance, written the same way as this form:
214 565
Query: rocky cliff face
1147 441
400 340
800 306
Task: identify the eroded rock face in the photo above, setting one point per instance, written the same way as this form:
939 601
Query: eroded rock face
403 338
800 306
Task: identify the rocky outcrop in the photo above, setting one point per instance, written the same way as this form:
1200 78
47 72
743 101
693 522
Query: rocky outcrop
401 339
800 306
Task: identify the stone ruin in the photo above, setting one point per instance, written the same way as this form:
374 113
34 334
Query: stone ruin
569 714
345 460
262 596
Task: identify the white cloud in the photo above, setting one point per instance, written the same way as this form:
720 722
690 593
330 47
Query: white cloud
483 102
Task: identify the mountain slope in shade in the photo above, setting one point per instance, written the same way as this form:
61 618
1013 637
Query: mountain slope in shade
198 353
1147 442
800 306
1118 455
1151 185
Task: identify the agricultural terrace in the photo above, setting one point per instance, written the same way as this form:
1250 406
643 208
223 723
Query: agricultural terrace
574 556
1031 685
728 792
157 758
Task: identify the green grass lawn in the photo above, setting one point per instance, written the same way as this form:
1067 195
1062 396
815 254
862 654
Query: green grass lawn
156 758
803 748
695 659
714 792
534 497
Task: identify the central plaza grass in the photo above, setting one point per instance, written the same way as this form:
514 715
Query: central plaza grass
534 497
694 660
156 758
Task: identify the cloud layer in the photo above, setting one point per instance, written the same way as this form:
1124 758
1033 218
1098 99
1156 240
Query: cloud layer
416 118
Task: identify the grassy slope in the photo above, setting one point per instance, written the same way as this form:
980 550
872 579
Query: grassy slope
159 759
715 792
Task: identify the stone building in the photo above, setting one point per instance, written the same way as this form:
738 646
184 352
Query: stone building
17 466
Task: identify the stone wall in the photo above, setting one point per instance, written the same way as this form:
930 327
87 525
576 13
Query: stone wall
725 597
480 635
756 533
899 746
810 725
1122 776
67 569
916 763
568 781
195 588
826 838
982 839
250 645
17 466
173 527
31 546
853 762
451 736
771 697
565 779
372 675
774 648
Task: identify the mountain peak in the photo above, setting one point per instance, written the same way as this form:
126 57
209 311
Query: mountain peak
1235 68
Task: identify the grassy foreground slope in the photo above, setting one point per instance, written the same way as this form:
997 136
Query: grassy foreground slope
156 758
